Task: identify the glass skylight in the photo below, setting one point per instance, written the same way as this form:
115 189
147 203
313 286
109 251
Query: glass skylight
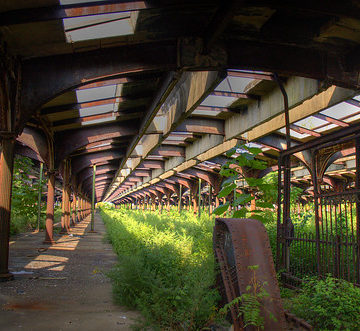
217 101
233 84
97 110
99 26
98 93
340 110
294 134
206 112
311 122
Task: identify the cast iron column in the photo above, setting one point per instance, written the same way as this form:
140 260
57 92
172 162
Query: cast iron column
93 199
180 198
6 176
49 223
39 196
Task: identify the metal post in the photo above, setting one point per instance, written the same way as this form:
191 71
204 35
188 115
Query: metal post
210 199
49 222
180 198
39 195
93 199
199 197
6 176
357 186
316 206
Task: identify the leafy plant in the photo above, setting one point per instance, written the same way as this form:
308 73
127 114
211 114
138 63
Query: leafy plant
166 266
24 197
329 303
250 303
235 170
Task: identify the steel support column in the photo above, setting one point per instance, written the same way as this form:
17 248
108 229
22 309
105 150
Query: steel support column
93 199
49 223
180 199
199 197
6 176
39 196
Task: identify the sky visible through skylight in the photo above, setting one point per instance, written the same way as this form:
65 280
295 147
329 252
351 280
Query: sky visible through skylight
103 25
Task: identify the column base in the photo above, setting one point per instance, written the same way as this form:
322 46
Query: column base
6 277
92 231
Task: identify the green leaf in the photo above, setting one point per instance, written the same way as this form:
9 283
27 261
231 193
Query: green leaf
241 213
254 181
221 209
231 152
254 150
260 218
226 190
229 180
262 204
243 199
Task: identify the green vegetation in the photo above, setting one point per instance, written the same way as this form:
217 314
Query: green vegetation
24 198
327 304
250 302
166 266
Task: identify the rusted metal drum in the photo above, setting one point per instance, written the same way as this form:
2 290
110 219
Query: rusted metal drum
238 244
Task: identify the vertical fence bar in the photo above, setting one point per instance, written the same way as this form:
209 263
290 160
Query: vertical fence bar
357 186
316 207
210 199
93 199
180 198
199 197
39 196
279 232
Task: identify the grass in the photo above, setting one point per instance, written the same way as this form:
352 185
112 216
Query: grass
166 266
20 223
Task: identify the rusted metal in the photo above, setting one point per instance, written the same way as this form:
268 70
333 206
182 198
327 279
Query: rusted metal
39 196
6 176
238 244
49 222
335 246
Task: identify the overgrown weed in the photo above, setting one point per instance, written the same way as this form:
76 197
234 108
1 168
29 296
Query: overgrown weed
166 266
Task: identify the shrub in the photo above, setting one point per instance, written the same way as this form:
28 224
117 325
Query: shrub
329 304
166 266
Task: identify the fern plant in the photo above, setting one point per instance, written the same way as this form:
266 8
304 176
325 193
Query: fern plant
250 303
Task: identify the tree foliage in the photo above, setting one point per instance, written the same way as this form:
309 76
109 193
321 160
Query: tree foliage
263 190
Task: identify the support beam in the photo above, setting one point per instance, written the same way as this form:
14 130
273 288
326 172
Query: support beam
49 223
93 199
6 176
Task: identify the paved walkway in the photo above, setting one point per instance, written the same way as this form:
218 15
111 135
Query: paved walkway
64 286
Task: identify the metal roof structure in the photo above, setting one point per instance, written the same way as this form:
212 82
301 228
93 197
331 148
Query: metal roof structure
149 89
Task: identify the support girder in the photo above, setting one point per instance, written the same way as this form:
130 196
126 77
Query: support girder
80 162
87 67
37 141
70 141
202 126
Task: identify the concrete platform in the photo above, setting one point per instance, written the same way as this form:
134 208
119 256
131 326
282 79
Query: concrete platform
62 287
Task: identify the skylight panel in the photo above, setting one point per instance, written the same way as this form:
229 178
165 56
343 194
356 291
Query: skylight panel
311 122
352 118
97 110
217 101
326 128
294 134
206 112
340 110
96 93
99 26
233 84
